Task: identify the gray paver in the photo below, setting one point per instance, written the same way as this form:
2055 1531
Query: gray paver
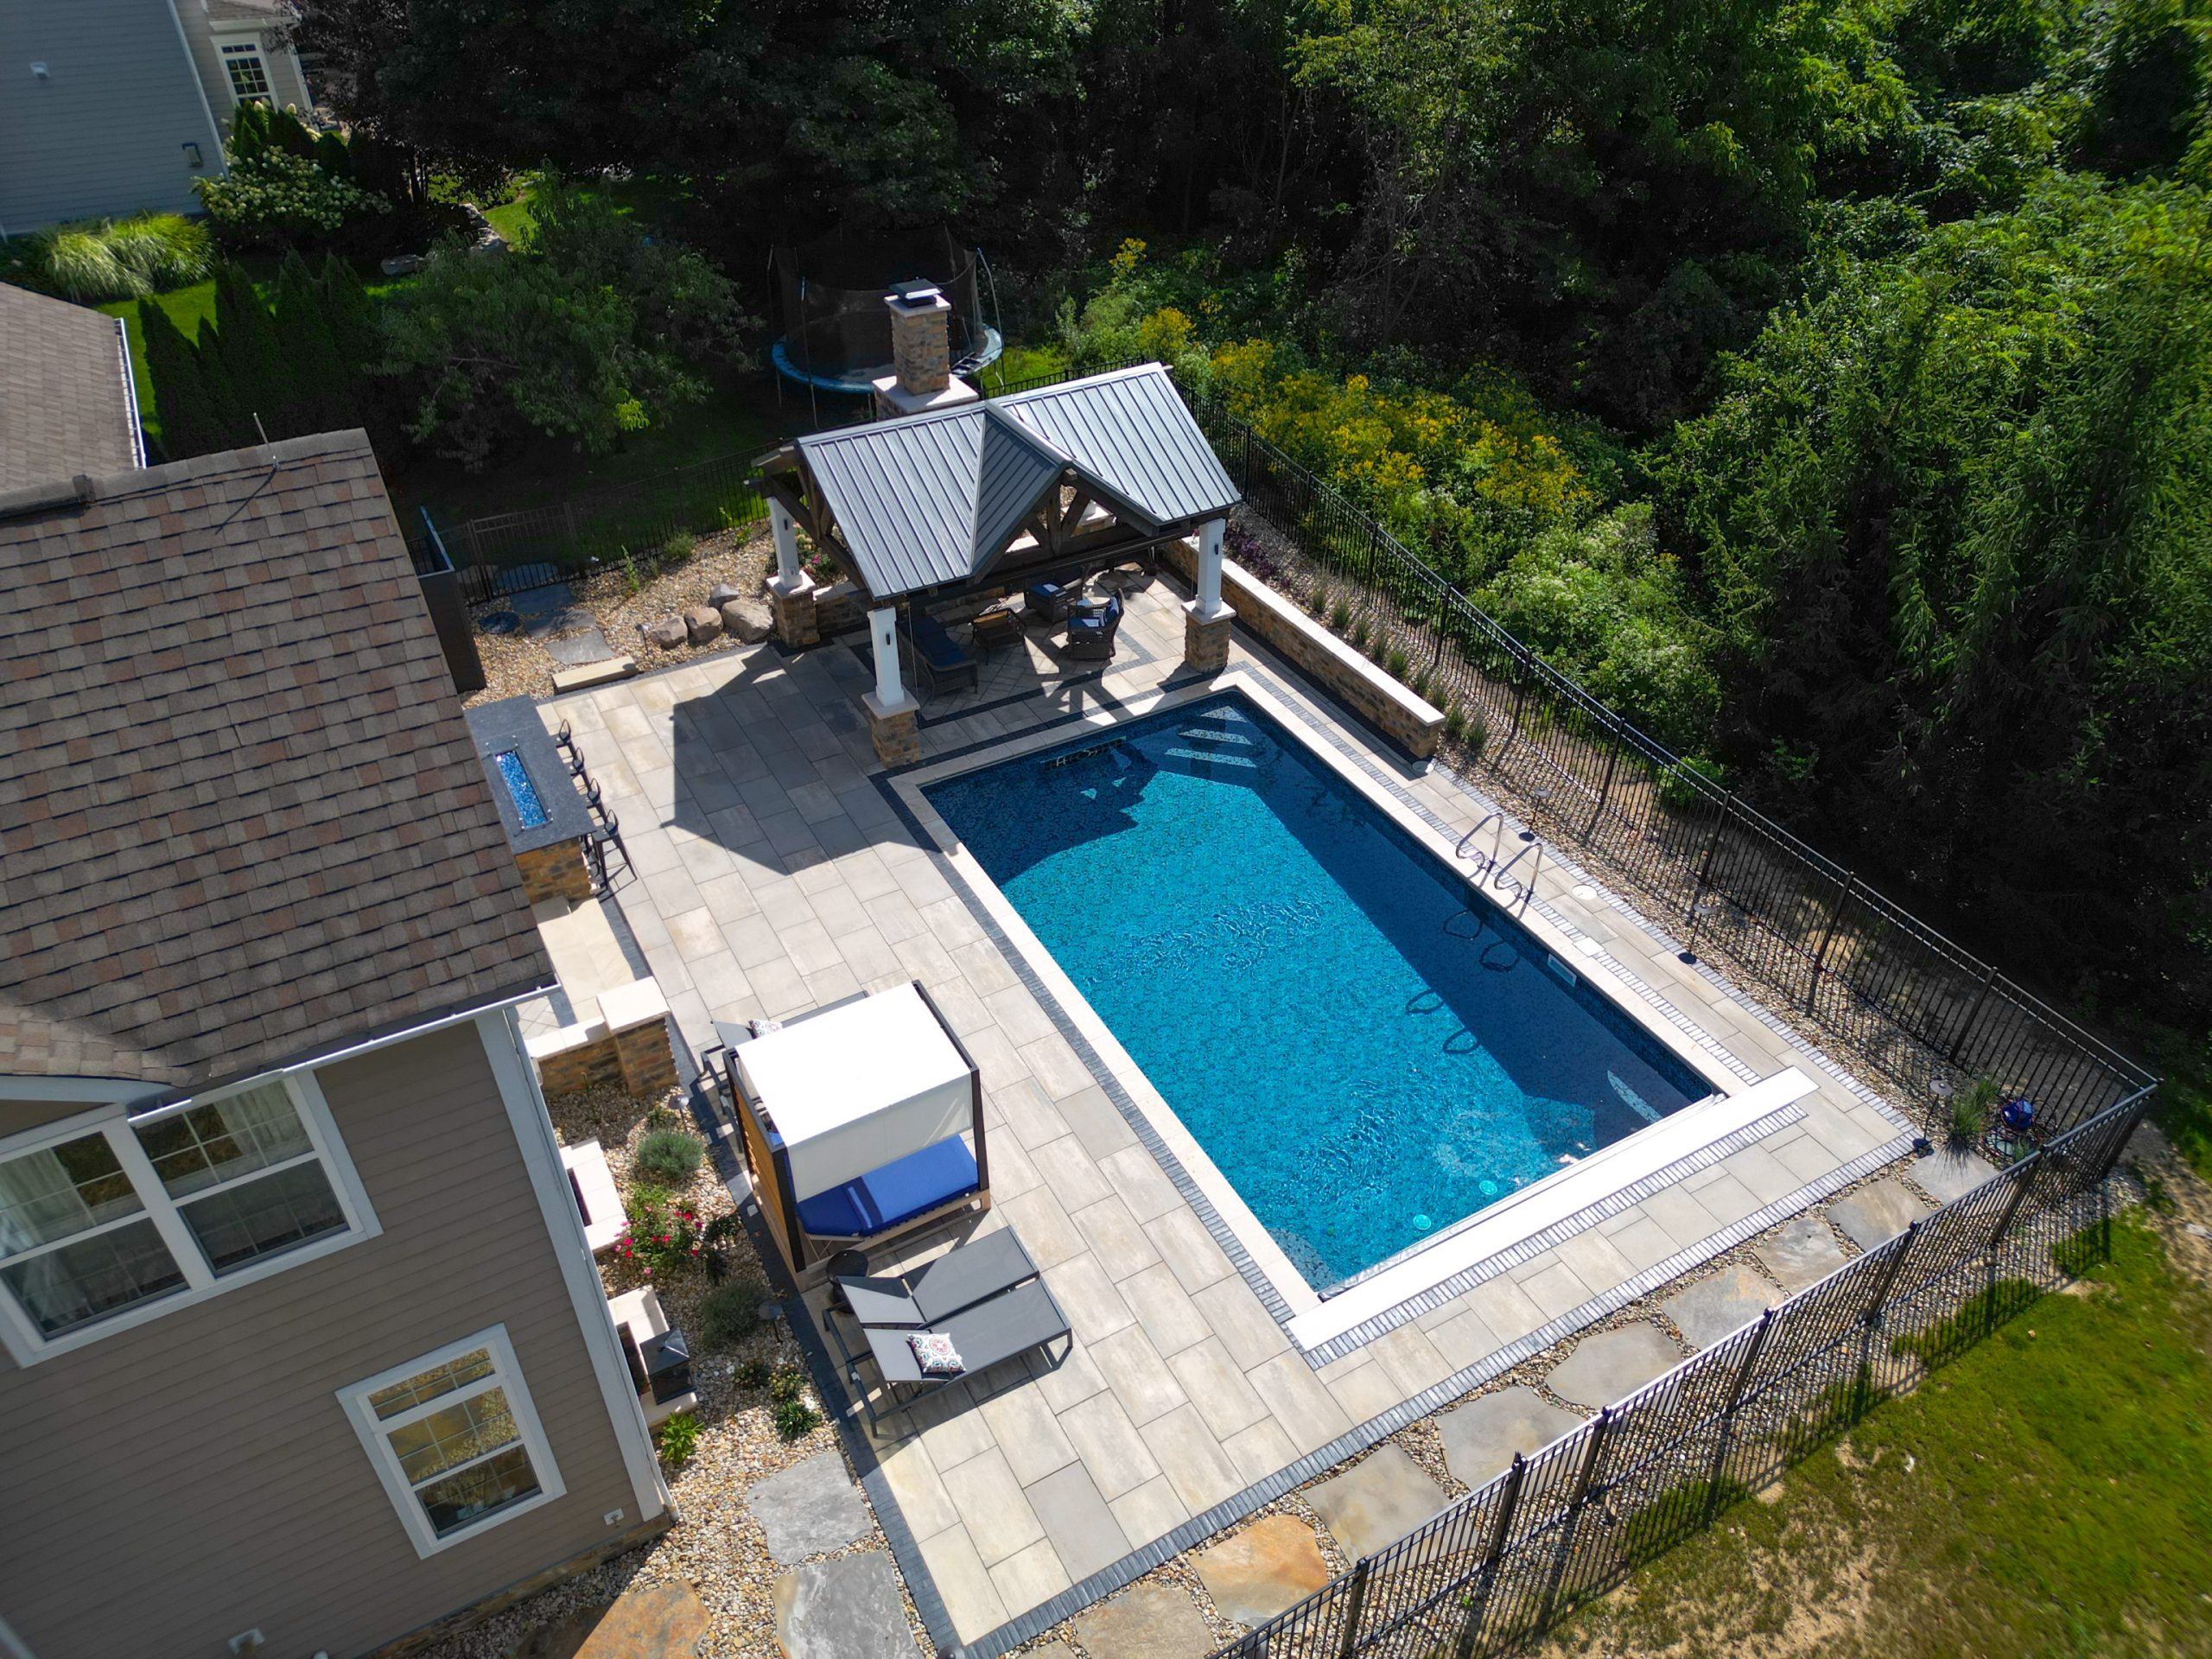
1802 1253
1254 1574
1875 1214
1148 1621
848 1608
1950 1172
1377 1502
809 1510
1481 1437
1718 1307
1083 1530
1612 1365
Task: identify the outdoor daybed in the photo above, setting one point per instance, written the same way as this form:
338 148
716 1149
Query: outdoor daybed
852 1118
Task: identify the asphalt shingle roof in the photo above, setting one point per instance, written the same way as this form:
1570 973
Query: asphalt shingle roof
930 500
246 820
64 394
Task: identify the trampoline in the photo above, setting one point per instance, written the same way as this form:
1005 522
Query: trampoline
836 333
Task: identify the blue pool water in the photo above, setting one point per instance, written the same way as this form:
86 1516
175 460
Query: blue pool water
528 808
1368 1050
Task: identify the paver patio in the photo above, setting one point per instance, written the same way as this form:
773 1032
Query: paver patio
775 869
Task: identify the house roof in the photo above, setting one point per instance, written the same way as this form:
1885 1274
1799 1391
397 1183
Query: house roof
65 400
246 823
932 500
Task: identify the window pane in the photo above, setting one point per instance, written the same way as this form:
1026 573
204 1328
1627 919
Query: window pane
458 1500
50 1194
248 78
76 1283
259 1217
428 1385
445 1439
196 1149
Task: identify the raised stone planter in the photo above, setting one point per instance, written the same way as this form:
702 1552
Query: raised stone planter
624 1043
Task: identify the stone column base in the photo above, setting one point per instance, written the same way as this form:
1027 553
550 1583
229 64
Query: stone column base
1205 639
796 623
896 729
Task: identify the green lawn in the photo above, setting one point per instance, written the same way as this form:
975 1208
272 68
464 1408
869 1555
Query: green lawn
2049 1493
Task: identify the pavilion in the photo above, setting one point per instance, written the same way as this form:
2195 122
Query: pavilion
985 495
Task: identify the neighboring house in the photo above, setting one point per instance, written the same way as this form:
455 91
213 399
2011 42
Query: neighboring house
102 112
67 404
301 1349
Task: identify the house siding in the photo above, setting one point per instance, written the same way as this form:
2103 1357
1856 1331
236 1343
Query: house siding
104 134
287 83
195 1476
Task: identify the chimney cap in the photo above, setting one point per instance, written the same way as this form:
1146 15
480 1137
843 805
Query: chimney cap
916 296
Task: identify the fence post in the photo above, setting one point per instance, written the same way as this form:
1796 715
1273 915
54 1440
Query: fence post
1493 1556
1604 789
1248 458
1600 1427
1974 1014
1704 875
1828 935
1873 1316
1737 1386
1520 696
1359 1595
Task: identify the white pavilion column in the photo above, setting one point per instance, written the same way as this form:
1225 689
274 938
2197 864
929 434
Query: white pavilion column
791 592
1206 620
893 712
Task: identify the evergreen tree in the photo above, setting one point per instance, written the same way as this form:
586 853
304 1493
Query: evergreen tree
259 380
180 397
249 131
350 315
322 387
227 428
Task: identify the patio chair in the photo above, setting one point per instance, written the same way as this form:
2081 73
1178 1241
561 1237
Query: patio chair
944 661
988 1334
1091 635
1048 600
966 1275
609 834
997 626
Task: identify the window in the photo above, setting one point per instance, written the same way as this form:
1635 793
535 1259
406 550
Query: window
105 1217
249 75
455 1440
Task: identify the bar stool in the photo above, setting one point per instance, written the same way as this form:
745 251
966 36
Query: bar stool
609 833
566 738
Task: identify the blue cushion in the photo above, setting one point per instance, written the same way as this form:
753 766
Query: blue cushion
897 1192
937 648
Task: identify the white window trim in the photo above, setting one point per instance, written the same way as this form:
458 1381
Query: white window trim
507 1375
237 50
19 1332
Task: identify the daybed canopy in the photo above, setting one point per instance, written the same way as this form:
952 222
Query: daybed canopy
853 1117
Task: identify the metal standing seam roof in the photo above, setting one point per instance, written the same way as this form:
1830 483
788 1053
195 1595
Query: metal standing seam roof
929 501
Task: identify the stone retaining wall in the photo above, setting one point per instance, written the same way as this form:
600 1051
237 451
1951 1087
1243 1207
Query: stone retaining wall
624 1045
554 872
1408 721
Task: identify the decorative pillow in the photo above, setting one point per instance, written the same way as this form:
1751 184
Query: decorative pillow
935 1354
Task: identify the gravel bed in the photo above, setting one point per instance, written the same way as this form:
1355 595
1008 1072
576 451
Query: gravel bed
715 1546
515 666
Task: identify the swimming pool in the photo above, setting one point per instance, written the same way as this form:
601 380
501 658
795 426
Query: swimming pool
1368 1049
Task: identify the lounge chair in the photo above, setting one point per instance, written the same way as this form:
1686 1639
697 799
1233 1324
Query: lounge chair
944 660
987 1335
1091 635
968 1273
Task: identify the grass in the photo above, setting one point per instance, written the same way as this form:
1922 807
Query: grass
2048 1493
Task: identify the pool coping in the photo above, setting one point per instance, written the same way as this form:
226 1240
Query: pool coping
1263 1265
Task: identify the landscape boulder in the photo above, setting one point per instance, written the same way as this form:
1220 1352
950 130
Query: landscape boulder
748 618
704 623
668 633
724 591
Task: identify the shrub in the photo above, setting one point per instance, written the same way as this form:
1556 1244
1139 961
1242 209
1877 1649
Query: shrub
662 1235
1396 664
1359 633
1970 1109
730 1312
669 1154
678 1439
678 548
786 1383
1455 723
717 1245
119 259
1340 615
1678 791
753 1374
1319 603
278 200
794 1420
664 1117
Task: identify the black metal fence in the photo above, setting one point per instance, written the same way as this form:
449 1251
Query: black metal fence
1507 1561
1815 935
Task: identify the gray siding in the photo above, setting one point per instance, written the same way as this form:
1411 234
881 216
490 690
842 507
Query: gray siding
104 134
195 1476
287 85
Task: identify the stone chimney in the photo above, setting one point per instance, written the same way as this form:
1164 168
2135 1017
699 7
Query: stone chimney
921 340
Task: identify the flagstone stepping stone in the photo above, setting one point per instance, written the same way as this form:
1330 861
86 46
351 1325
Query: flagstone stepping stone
1803 1253
1950 1172
1716 1308
1875 1214
809 1510
579 649
1377 1502
1148 1621
660 1621
1611 1365
1263 1569
1481 1437
848 1608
